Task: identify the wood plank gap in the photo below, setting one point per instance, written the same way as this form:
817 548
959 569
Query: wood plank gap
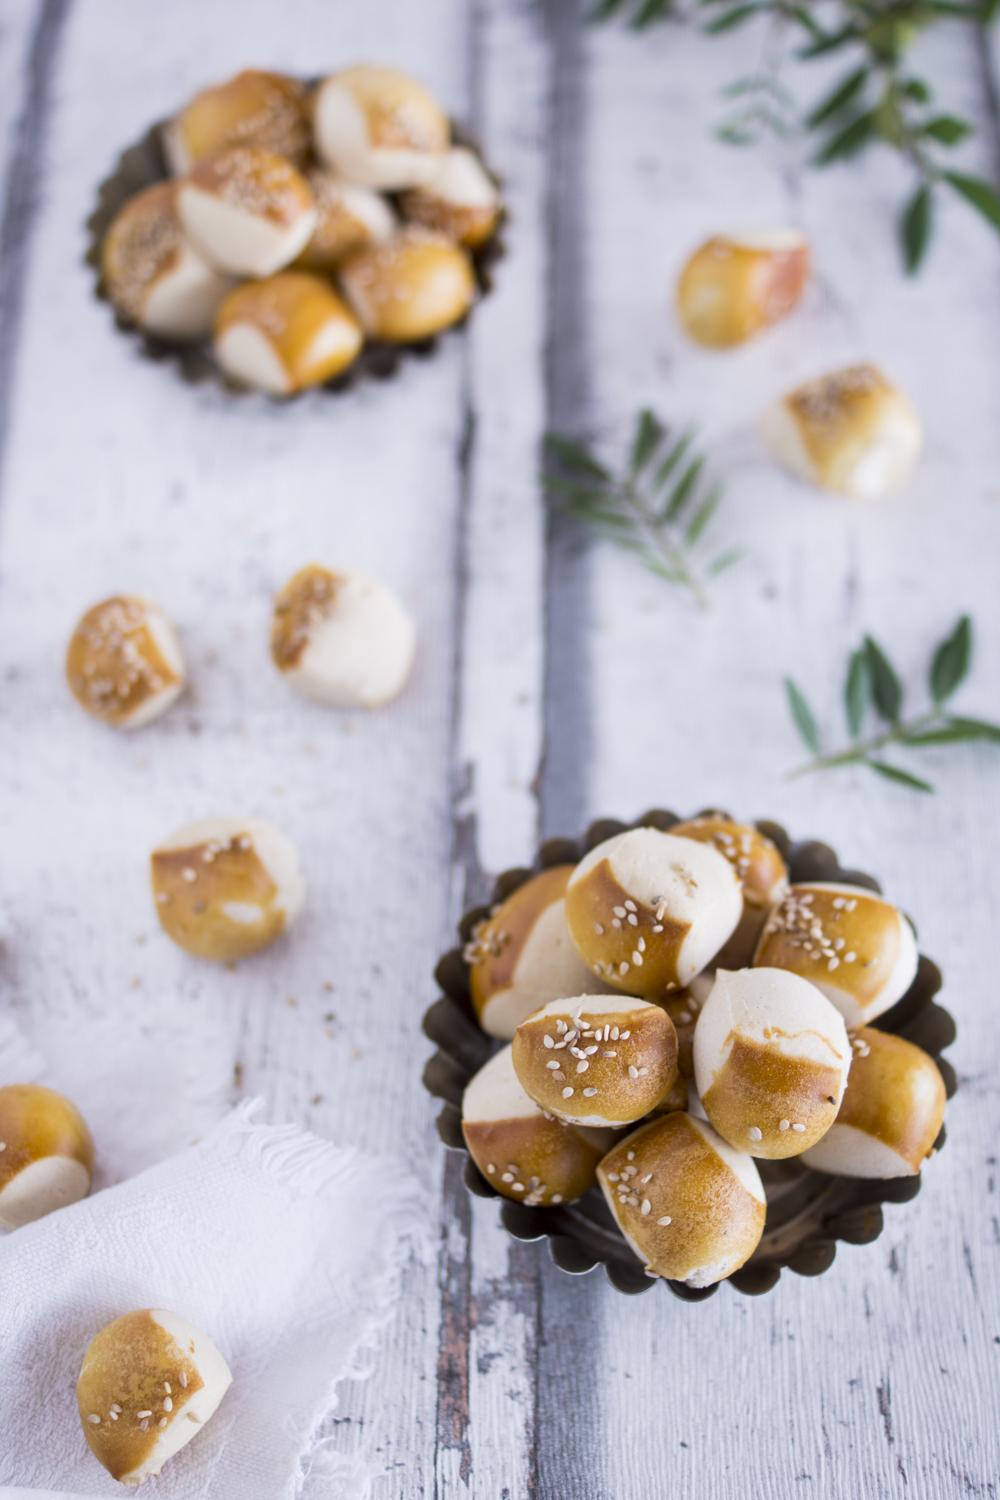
23 192
991 96
569 738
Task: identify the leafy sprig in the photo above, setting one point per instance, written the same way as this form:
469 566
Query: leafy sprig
872 685
658 508
878 99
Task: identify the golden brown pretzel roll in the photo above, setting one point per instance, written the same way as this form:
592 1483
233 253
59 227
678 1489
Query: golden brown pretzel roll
252 109
762 872
46 1154
247 211
735 285
461 199
416 285
348 218
285 333
124 663
377 127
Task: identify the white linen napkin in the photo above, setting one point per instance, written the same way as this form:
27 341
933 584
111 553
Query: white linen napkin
287 1251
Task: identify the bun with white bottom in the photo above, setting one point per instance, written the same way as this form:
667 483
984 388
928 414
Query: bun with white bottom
247 211
414 286
124 662
597 1059
46 1154
461 199
850 431
647 910
690 1206
522 956
771 1058
524 1152
735 285
342 638
252 109
891 1113
153 276
379 128
148 1384
348 218
285 333
762 872
226 887
856 948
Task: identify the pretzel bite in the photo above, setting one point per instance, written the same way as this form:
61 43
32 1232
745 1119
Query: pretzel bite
736 285
762 872
247 211
461 199
416 285
891 1113
124 663
285 333
597 1059
379 128
525 1153
522 956
648 910
851 432
690 1206
46 1154
252 109
348 218
855 947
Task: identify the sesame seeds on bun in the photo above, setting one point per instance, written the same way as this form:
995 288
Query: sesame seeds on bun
253 109
247 211
46 1154
149 1382
461 199
377 127
414 286
124 663
603 1060
285 333
735 285
762 872
648 910
771 1058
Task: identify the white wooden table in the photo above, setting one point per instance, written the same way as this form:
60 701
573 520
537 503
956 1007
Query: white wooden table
554 683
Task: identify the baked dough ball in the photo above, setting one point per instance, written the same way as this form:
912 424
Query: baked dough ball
342 638
416 285
762 872
855 947
522 956
152 275
525 1153
597 1059
461 199
246 210
149 1382
891 1113
252 109
285 333
46 1154
647 910
124 662
737 284
378 127
225 887
771 1058
690 1206
851 432
348 218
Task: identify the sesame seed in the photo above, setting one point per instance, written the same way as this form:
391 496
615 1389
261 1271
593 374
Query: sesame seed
598 929
643 1072
634 921
684 1017
616 923
619 911
507 1177
625 1036
168 1405
189 875
548 1041
782 1125
561 1027
559 1076
518 1188
582 1067
144 1424
166 1387
646 1206
631 906
94 1418
637 959
849 958
834 963
633 1072
657 929
614 1033
630 1156
552 1064
162 1422
664 1221
799 1128
589 1093
623 969
3 1145
567 1093
612 1176
183 1376
142 1414
115 1409
755 1133
490 1168
113 1415
597 969
557 1197
642 945
192 1418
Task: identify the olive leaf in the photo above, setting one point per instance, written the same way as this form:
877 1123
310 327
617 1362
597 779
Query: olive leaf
659 508
872 682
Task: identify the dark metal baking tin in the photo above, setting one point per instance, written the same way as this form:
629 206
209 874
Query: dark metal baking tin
144 164
807 1211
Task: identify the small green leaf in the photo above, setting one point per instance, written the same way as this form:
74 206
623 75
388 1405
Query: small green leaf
725 561
952 733
649 433
575 457
979 729
857 692
803 716
841 96
916 88
947 129
702 516
805 19
732 18
903 778
982 195
887 692
831 42
988 13
849 141
915 227
952 660
683 490
672 459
